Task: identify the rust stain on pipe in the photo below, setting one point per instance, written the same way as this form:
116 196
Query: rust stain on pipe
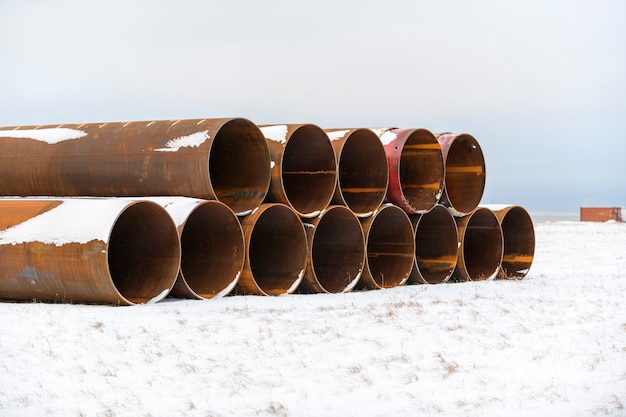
519 241
19 211
465 172
390 248
362 170
436 246
223 159
276 251
212 247
336 251
416 168
304 171
481 249
112 251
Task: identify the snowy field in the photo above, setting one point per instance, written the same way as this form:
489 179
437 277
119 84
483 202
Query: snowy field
553 344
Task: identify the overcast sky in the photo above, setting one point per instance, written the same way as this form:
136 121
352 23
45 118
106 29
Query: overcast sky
541 84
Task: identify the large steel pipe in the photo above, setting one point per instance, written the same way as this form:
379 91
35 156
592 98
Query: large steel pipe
276 251
212 247
336 251
390 248
436 246
465 172
112 251
362 170
519 240
304 171
223 159
416 168
480 252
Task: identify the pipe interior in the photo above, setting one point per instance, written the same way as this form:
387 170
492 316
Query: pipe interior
309 169
212 249
144 252
482 245
363 172
436 245
239 165
465 173
390 247
421 170
338 250
519 243
277 250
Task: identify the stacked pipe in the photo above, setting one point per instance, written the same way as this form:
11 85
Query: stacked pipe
126 213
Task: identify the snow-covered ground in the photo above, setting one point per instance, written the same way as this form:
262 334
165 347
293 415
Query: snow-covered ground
553 344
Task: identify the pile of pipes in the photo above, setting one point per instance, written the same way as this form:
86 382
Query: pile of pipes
126 213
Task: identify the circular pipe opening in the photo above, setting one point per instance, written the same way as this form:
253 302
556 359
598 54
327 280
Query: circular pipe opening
421 170
213 250
277 250
239 165
362 172
436 246
519 243
465 173
482 244
337 250
143 252
309 170
390 247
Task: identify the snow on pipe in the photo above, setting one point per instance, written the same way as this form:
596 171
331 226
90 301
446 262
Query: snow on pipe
111 251
519 240
416 168
464 172
336 251
481 246
276 251
304 171
222 159
390 248
436 246
212 247
362 171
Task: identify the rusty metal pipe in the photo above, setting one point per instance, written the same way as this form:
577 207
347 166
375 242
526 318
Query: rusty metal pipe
212 247
436 246
112 251
276 251
222 159
336 251
362 170
480 252
519 240
304 171
465 172
390 248
416 168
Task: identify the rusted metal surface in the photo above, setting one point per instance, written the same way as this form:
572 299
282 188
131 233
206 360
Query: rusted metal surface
416 168
465 172
601 214
481 249
390 248
519 241
223 159
336 251
212 247
362 170
436 246
112 251
304 171
276 251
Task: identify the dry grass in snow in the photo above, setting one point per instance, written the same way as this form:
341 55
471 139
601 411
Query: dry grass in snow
553 344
